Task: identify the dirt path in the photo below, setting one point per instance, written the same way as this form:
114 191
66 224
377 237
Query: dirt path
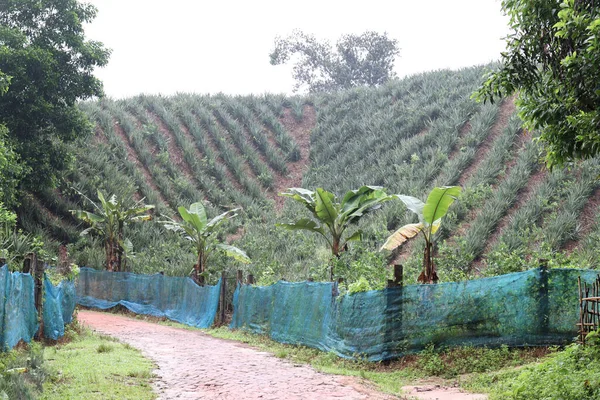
193 365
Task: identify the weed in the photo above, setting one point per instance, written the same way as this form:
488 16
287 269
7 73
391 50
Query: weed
104 348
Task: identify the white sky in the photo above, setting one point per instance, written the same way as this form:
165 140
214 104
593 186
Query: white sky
223 46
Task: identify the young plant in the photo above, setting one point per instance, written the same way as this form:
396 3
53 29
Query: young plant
109 222
331 217
430 219
196 228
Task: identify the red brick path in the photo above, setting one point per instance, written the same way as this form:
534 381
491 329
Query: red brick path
193 365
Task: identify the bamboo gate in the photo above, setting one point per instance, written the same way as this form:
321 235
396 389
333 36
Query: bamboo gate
589 308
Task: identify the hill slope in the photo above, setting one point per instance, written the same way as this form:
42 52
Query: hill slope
407 136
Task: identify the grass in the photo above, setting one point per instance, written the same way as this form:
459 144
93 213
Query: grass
97 367
572 374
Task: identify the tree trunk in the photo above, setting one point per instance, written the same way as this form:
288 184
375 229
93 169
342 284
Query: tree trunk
428 275
108 248
119 249
199 269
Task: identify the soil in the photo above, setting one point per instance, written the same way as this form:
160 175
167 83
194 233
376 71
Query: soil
587 219
438 392
300 132
132 156
507 108
175 152
193 365
524 196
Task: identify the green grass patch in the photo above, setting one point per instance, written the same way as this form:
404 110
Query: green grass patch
97 367
572 374
22 372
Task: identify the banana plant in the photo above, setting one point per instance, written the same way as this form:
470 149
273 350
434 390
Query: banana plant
196 228
332 218
430 216
109 221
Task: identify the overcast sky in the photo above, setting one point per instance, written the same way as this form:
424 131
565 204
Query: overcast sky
223 46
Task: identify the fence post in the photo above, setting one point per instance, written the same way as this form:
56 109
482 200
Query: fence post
543 305
393 313
2 261
28 262
250 279
38 276
222 296
398 276
240 277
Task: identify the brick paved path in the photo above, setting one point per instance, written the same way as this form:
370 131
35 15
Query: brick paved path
193 365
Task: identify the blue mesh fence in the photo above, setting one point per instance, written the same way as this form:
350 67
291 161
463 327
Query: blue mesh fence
536 307
179 299
59 304
18 316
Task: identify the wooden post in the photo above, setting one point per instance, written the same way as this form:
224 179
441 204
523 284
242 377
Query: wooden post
398 274
222 297
250 279
240 277
580 327
398 279
29 263
544 305
2 261
38 276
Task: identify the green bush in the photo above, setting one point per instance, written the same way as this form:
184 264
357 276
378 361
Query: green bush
22 373
572 374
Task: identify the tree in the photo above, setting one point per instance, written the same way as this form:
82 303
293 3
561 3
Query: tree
332 218
430 216
196 228
553 63
49 64
357 60
109 222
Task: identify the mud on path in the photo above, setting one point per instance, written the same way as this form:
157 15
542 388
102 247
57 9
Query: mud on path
194 365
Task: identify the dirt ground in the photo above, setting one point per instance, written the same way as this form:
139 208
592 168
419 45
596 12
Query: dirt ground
193 365
438 392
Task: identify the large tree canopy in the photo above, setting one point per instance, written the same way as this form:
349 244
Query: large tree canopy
356 60
553 62
49 62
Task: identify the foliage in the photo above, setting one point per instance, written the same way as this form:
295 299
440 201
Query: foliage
357 60
570 374
16 244
109 223
196 228
331 217
553 62
11 171
361 268
430 216
419 132
22 372
44 51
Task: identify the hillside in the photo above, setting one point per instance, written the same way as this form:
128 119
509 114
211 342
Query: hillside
407 136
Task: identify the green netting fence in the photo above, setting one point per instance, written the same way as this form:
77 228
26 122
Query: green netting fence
536 307
176 298
18 316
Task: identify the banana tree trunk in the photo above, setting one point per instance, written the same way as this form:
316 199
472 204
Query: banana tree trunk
428 275
108 250
119 249
199 267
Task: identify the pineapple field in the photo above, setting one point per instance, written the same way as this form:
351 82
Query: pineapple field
407 136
